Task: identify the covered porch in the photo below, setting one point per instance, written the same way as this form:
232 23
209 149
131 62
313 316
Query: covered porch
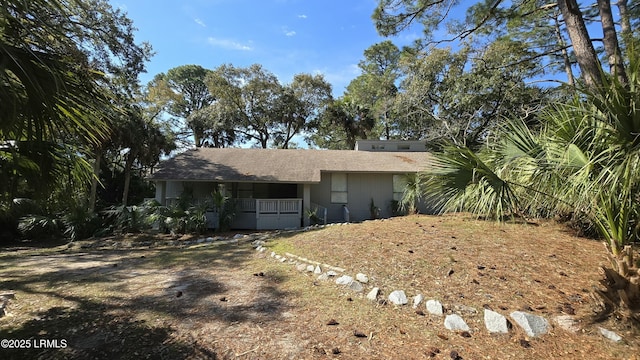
259 206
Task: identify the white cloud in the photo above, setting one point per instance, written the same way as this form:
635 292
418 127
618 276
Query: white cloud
288 32
228 44
302 16
200 22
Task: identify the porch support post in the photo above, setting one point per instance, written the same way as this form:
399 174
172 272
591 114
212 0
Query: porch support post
161 192
306 203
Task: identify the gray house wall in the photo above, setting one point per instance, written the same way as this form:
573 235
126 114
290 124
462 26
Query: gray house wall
361 188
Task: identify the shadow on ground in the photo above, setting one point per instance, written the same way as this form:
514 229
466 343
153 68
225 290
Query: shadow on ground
104 293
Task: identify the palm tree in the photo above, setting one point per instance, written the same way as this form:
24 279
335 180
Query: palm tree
58 63
585 161
412 193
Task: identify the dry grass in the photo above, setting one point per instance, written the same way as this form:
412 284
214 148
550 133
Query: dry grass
231 302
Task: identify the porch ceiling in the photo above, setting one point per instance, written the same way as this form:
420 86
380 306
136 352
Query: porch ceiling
283 165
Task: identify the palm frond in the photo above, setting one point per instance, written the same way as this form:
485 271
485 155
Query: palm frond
462 181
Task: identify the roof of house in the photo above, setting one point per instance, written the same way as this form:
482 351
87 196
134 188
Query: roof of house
283 165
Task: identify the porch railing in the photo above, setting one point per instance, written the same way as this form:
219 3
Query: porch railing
246 205
269 206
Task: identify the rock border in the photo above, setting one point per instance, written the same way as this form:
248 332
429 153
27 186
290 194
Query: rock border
531 324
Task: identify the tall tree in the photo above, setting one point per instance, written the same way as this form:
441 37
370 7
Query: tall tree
456 97
376 87
54 56
187 96
142 140
298 106
583 48
248 98
610 41
341 124
489 16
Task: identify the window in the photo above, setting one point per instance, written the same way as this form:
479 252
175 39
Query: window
404 147
399 183
339 188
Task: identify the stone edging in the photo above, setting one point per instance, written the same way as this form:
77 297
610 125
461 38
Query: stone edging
533 325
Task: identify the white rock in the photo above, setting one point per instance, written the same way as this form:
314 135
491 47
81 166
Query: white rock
362 278
323 277
533 325
398 297
356 286
417 300
344 280
567 322
310 268
238 236
278 257
434 307
454 322
283 259
301 267
332 273
495 322
373 294
273 254
610 335
317 270
209 239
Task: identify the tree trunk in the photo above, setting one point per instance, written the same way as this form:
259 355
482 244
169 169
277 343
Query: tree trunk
581 42
622 285
565 53
625 23
94 180
127 178
610 41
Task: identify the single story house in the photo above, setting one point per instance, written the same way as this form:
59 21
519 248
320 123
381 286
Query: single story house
284 188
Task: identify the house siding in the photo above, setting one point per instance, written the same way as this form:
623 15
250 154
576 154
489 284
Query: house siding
361 188
366 187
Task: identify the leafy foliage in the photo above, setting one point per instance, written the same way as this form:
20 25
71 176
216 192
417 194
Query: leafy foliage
583 161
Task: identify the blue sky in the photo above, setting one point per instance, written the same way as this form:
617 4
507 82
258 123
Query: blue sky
287 37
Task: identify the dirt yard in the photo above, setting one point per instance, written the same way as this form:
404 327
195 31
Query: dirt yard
138 298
